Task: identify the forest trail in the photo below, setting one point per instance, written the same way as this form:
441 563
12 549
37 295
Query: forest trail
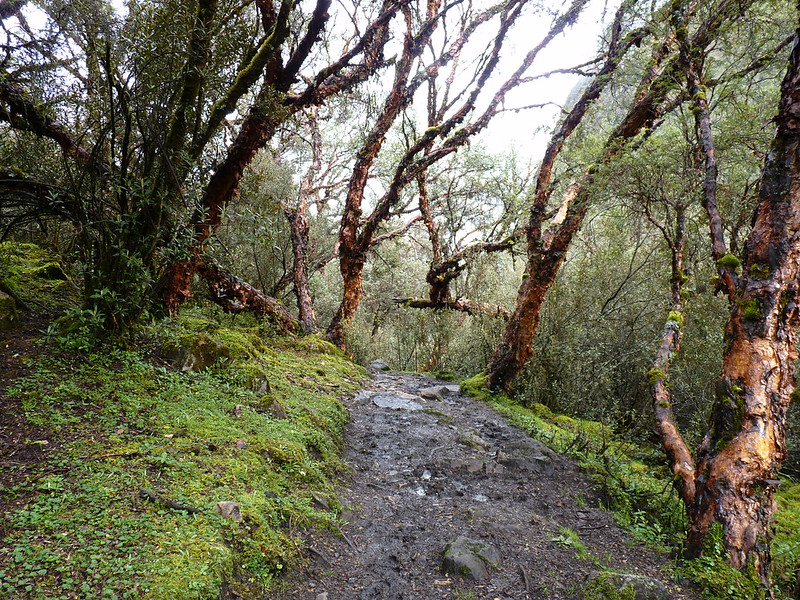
430 465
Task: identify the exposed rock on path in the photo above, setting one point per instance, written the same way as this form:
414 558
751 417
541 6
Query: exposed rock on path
428 468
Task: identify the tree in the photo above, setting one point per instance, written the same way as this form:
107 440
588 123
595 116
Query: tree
547 245
731 478
453 124
148 177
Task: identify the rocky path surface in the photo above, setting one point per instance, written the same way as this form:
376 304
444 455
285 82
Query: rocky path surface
430 466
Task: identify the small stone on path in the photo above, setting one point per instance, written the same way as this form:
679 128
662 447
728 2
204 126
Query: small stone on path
438 392
470 558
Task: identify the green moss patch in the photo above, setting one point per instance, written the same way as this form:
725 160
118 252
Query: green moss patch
84 528
35 277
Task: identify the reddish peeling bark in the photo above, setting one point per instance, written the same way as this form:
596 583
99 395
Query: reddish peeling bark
256 129
235 295
732 479
259 124
744 448
353 244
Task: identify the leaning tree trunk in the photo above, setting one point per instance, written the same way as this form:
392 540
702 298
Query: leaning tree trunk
547 247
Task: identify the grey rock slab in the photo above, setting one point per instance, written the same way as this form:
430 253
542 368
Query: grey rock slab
396 401
644 588
379 365
524 457
470 558
437 392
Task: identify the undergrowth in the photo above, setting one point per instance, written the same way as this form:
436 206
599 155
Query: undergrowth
259 425
636 486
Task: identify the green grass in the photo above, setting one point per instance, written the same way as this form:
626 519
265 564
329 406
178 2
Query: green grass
126 419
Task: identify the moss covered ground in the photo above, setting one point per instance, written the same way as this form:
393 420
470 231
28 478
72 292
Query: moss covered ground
127 435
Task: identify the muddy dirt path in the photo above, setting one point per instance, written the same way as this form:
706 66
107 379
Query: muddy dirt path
430 467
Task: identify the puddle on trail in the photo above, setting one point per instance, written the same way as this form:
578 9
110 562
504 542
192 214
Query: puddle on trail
396 401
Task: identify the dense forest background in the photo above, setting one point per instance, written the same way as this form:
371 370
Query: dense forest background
333 168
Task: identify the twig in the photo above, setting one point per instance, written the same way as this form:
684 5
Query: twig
318 554
109 455
167 502
346 539
525 579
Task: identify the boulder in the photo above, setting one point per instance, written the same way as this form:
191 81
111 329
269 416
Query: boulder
470 558
276 410
610 586
8 311
378 365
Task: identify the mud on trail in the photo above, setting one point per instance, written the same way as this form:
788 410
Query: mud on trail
429 467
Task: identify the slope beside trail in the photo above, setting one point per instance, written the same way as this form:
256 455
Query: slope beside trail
425 470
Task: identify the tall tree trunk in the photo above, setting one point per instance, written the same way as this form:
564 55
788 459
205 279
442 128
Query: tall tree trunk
732 480
298 223
746 444
297 216
351 266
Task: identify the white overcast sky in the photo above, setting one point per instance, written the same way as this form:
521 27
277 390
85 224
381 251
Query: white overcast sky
528 132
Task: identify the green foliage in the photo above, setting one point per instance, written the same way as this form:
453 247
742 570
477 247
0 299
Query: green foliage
35 276
760 271
569 538
751 310
675 317
197 438
786 543
717 579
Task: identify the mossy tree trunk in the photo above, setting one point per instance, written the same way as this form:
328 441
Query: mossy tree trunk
746 442
732 478
547 244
